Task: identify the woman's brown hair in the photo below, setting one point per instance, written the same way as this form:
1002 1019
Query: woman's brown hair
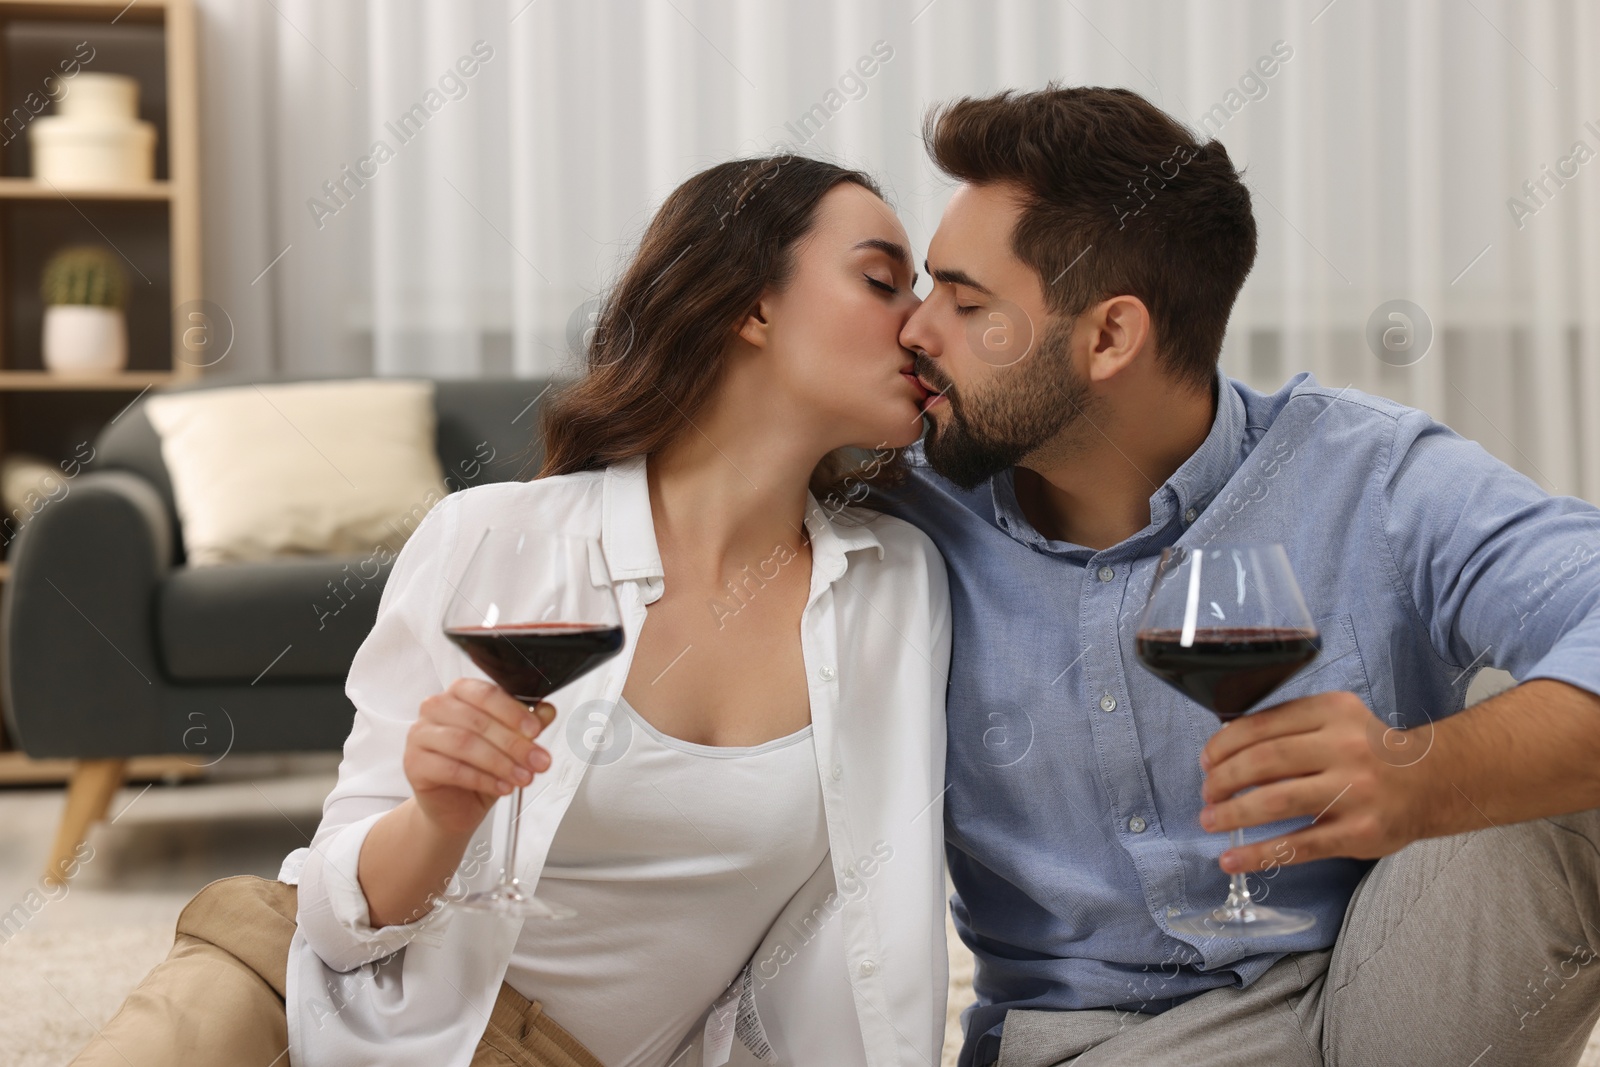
654 356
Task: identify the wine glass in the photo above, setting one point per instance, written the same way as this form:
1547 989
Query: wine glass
532 639
1225 625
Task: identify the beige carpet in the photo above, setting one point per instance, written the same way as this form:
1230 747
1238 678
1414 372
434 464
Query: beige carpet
58 986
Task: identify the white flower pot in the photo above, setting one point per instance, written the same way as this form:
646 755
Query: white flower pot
80 339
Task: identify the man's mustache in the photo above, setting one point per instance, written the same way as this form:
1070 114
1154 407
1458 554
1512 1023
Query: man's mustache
924 367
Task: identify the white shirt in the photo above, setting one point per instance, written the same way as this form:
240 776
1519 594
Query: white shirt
851 972
676 857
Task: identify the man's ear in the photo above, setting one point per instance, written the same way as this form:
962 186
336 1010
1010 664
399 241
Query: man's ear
1120 330
754 329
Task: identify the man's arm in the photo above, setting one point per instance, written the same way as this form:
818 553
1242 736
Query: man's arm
1530 752
1492 570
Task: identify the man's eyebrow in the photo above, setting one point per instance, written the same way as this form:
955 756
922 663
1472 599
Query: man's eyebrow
951 276
894 251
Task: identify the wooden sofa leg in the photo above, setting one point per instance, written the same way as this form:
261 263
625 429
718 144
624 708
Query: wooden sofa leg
94 783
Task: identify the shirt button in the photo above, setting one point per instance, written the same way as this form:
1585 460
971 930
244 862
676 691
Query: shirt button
838 772
1136 824
1108 703
825 673
1105 574
868 968
849 870
1190 515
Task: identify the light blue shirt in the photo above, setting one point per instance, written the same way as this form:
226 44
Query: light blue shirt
1074 782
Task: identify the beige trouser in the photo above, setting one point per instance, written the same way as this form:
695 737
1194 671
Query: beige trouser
217 999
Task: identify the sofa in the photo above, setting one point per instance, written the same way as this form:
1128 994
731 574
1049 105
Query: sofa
111 647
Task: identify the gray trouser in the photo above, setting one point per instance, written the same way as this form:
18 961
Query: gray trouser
1478 950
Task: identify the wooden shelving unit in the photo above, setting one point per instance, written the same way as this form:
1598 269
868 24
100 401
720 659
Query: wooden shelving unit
28 189
13 380
154 228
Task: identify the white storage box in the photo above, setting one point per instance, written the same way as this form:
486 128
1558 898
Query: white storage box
96 139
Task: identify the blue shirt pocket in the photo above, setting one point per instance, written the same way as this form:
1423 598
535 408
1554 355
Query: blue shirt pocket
1337 668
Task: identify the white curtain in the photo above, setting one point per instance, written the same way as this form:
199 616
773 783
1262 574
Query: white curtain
1388 153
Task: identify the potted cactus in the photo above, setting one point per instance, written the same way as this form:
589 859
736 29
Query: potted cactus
84 328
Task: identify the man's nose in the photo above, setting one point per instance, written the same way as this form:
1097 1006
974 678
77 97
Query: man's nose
915 336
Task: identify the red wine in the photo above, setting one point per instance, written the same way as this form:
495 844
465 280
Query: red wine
531 660
1228 670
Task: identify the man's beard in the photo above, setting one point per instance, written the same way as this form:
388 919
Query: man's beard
1016 414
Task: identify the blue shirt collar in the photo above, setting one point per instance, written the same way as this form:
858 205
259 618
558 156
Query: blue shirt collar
1191 487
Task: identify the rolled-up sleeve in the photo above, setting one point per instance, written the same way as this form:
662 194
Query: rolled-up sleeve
401 662
1500 572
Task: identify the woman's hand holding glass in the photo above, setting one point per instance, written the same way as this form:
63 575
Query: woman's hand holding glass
470 746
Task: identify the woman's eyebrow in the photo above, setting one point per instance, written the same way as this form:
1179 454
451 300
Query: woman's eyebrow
894 251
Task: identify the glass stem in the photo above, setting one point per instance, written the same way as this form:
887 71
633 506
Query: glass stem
508 875
1238 890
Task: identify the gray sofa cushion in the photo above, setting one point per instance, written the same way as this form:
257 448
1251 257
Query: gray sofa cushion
230 622
480 418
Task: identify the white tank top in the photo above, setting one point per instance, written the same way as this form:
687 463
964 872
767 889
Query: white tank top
677 858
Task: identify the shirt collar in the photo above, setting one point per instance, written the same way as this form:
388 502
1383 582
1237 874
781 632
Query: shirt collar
628 532
1208 469
1191 486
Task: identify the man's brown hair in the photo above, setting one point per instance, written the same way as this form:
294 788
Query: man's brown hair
1118 199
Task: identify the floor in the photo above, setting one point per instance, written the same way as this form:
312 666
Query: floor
68 958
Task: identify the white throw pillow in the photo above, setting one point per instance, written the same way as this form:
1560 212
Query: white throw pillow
299 468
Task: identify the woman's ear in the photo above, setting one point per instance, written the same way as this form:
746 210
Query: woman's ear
754 329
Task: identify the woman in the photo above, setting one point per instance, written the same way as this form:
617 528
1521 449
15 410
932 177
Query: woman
764 854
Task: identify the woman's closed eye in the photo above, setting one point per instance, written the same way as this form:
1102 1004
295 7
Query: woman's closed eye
885 286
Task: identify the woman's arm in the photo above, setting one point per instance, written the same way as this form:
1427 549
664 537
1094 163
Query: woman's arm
421 767
406 862
394 671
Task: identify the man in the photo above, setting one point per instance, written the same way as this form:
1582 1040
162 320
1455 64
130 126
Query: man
1084 271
